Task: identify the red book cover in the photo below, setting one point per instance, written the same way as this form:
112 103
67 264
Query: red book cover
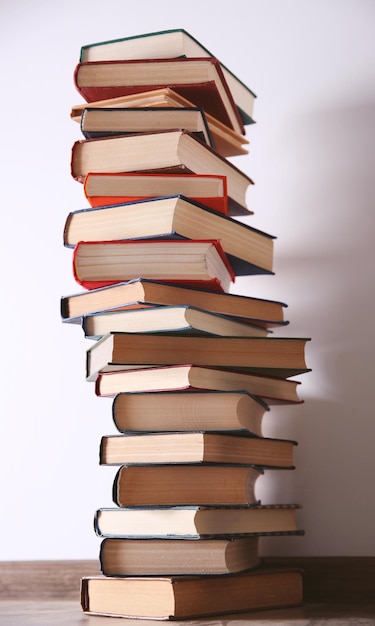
218 203
203 94
212 284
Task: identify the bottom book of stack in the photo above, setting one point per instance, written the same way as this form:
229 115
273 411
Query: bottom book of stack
182 597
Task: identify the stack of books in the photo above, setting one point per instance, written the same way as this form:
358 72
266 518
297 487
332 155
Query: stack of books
192 368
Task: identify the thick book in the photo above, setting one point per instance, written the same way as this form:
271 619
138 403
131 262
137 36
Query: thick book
199 80
140 293
208 190
106 122
195 522
268 356
185 484
249 250
158 557
195 262
192 377
220 411
196 447
227 141
181 597
180 319
169 43
168 152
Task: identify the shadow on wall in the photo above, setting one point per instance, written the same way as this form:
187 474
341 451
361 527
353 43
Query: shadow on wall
330 226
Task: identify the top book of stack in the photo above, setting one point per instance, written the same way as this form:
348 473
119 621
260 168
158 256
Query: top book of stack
169 44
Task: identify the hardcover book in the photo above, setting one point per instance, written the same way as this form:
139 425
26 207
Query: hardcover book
196 447
192 377
281 357
210 191
157 557
168 152
181 597
197 522
199 262
199 80
175 42
220 411
176 319
141 292
249 250
107 122
227 141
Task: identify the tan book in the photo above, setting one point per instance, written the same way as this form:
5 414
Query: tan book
107 122
141 293
179 319
268 356
191 377
158 557
197 521
181 597
188 410
196 447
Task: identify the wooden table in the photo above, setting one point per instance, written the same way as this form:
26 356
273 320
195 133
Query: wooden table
339 591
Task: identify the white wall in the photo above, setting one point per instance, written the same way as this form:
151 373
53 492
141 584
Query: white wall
312 64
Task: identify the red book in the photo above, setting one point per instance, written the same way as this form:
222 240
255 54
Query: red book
199 80
194 263
102 188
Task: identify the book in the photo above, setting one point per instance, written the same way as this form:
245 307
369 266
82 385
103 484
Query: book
180 597
141 293
199 262
196 522
105 122
180 319
156 557
185 484
185 411
227 141
199 80
171 152
192 377
102 189
249 250
268 356
196 447
169 43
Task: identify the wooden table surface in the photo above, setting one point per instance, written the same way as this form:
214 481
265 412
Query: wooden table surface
339 591
69 613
